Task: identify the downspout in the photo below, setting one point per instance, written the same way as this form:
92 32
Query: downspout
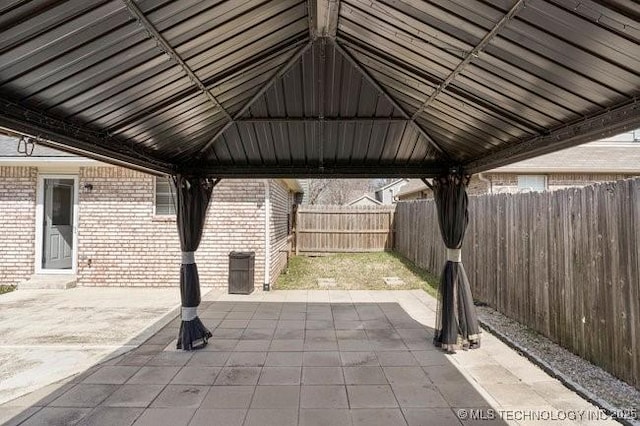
266 286
488 181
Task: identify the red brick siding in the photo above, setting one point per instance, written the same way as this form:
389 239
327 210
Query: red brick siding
17 223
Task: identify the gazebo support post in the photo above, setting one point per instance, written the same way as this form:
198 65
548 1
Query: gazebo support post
192 200
456 318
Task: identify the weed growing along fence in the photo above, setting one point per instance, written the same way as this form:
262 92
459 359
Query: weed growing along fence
565 263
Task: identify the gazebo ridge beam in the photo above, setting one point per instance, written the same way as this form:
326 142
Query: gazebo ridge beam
164 45
474 53
356 120
326 17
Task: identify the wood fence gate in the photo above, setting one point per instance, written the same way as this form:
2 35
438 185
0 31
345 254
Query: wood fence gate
323 229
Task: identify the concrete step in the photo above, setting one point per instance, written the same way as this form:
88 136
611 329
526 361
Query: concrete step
49 281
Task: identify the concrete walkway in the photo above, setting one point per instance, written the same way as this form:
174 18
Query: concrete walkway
49 335
309 358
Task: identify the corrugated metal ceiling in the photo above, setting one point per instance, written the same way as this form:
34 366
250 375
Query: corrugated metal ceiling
247 88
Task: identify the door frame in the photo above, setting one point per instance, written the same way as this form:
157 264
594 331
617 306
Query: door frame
40 224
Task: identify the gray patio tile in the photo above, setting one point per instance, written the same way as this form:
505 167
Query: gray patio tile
406 375
515 394
147 349
57 416
430 416
228 323
208 359
239 315
492 374
238 376
272 417
377 417
320 335
13 416
294 307
320 345
161 339
288 334
246 306
269 324
321 359
409 334
323 397
247 359
280 376
257 334
228 397
355 359
285 315
111 375
354 345
324 417
371 396
196 376
170 359
458 395
220 345
84 396
420 345
252 345
266 315
428 358
187 396
40 397
377 324
218 417
154 375
120 416
348 324
351 335
276 397
135 360
165 417
286 345
133 396
284 359
388 345
319 316
322 376
227 333
290 324
364 375
318 324
396 359
207 314
446 373
418 396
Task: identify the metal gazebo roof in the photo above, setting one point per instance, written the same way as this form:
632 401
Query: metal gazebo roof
304 88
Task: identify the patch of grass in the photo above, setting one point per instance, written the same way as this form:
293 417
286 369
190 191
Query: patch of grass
355 271
7 288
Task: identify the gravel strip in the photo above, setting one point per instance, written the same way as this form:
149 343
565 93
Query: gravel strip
578 374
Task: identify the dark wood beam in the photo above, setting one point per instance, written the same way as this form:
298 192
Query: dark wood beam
73 138
469 56
613 121
164 45
318 119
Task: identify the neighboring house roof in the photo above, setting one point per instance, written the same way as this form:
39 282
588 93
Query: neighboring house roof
596 157
364 197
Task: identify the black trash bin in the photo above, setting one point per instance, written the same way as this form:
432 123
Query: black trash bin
241 266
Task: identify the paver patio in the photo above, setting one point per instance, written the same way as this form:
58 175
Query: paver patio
305 358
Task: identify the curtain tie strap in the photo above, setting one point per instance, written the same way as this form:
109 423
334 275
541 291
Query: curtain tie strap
454 255
189 314
188 257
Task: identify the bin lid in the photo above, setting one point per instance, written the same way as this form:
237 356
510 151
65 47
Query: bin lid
241 254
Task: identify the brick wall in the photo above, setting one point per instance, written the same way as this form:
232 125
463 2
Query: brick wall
122 243
17 223
281 206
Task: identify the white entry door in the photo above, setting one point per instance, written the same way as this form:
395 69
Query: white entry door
58 223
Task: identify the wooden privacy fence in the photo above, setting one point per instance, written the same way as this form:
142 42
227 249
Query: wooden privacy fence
564 263
343 229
